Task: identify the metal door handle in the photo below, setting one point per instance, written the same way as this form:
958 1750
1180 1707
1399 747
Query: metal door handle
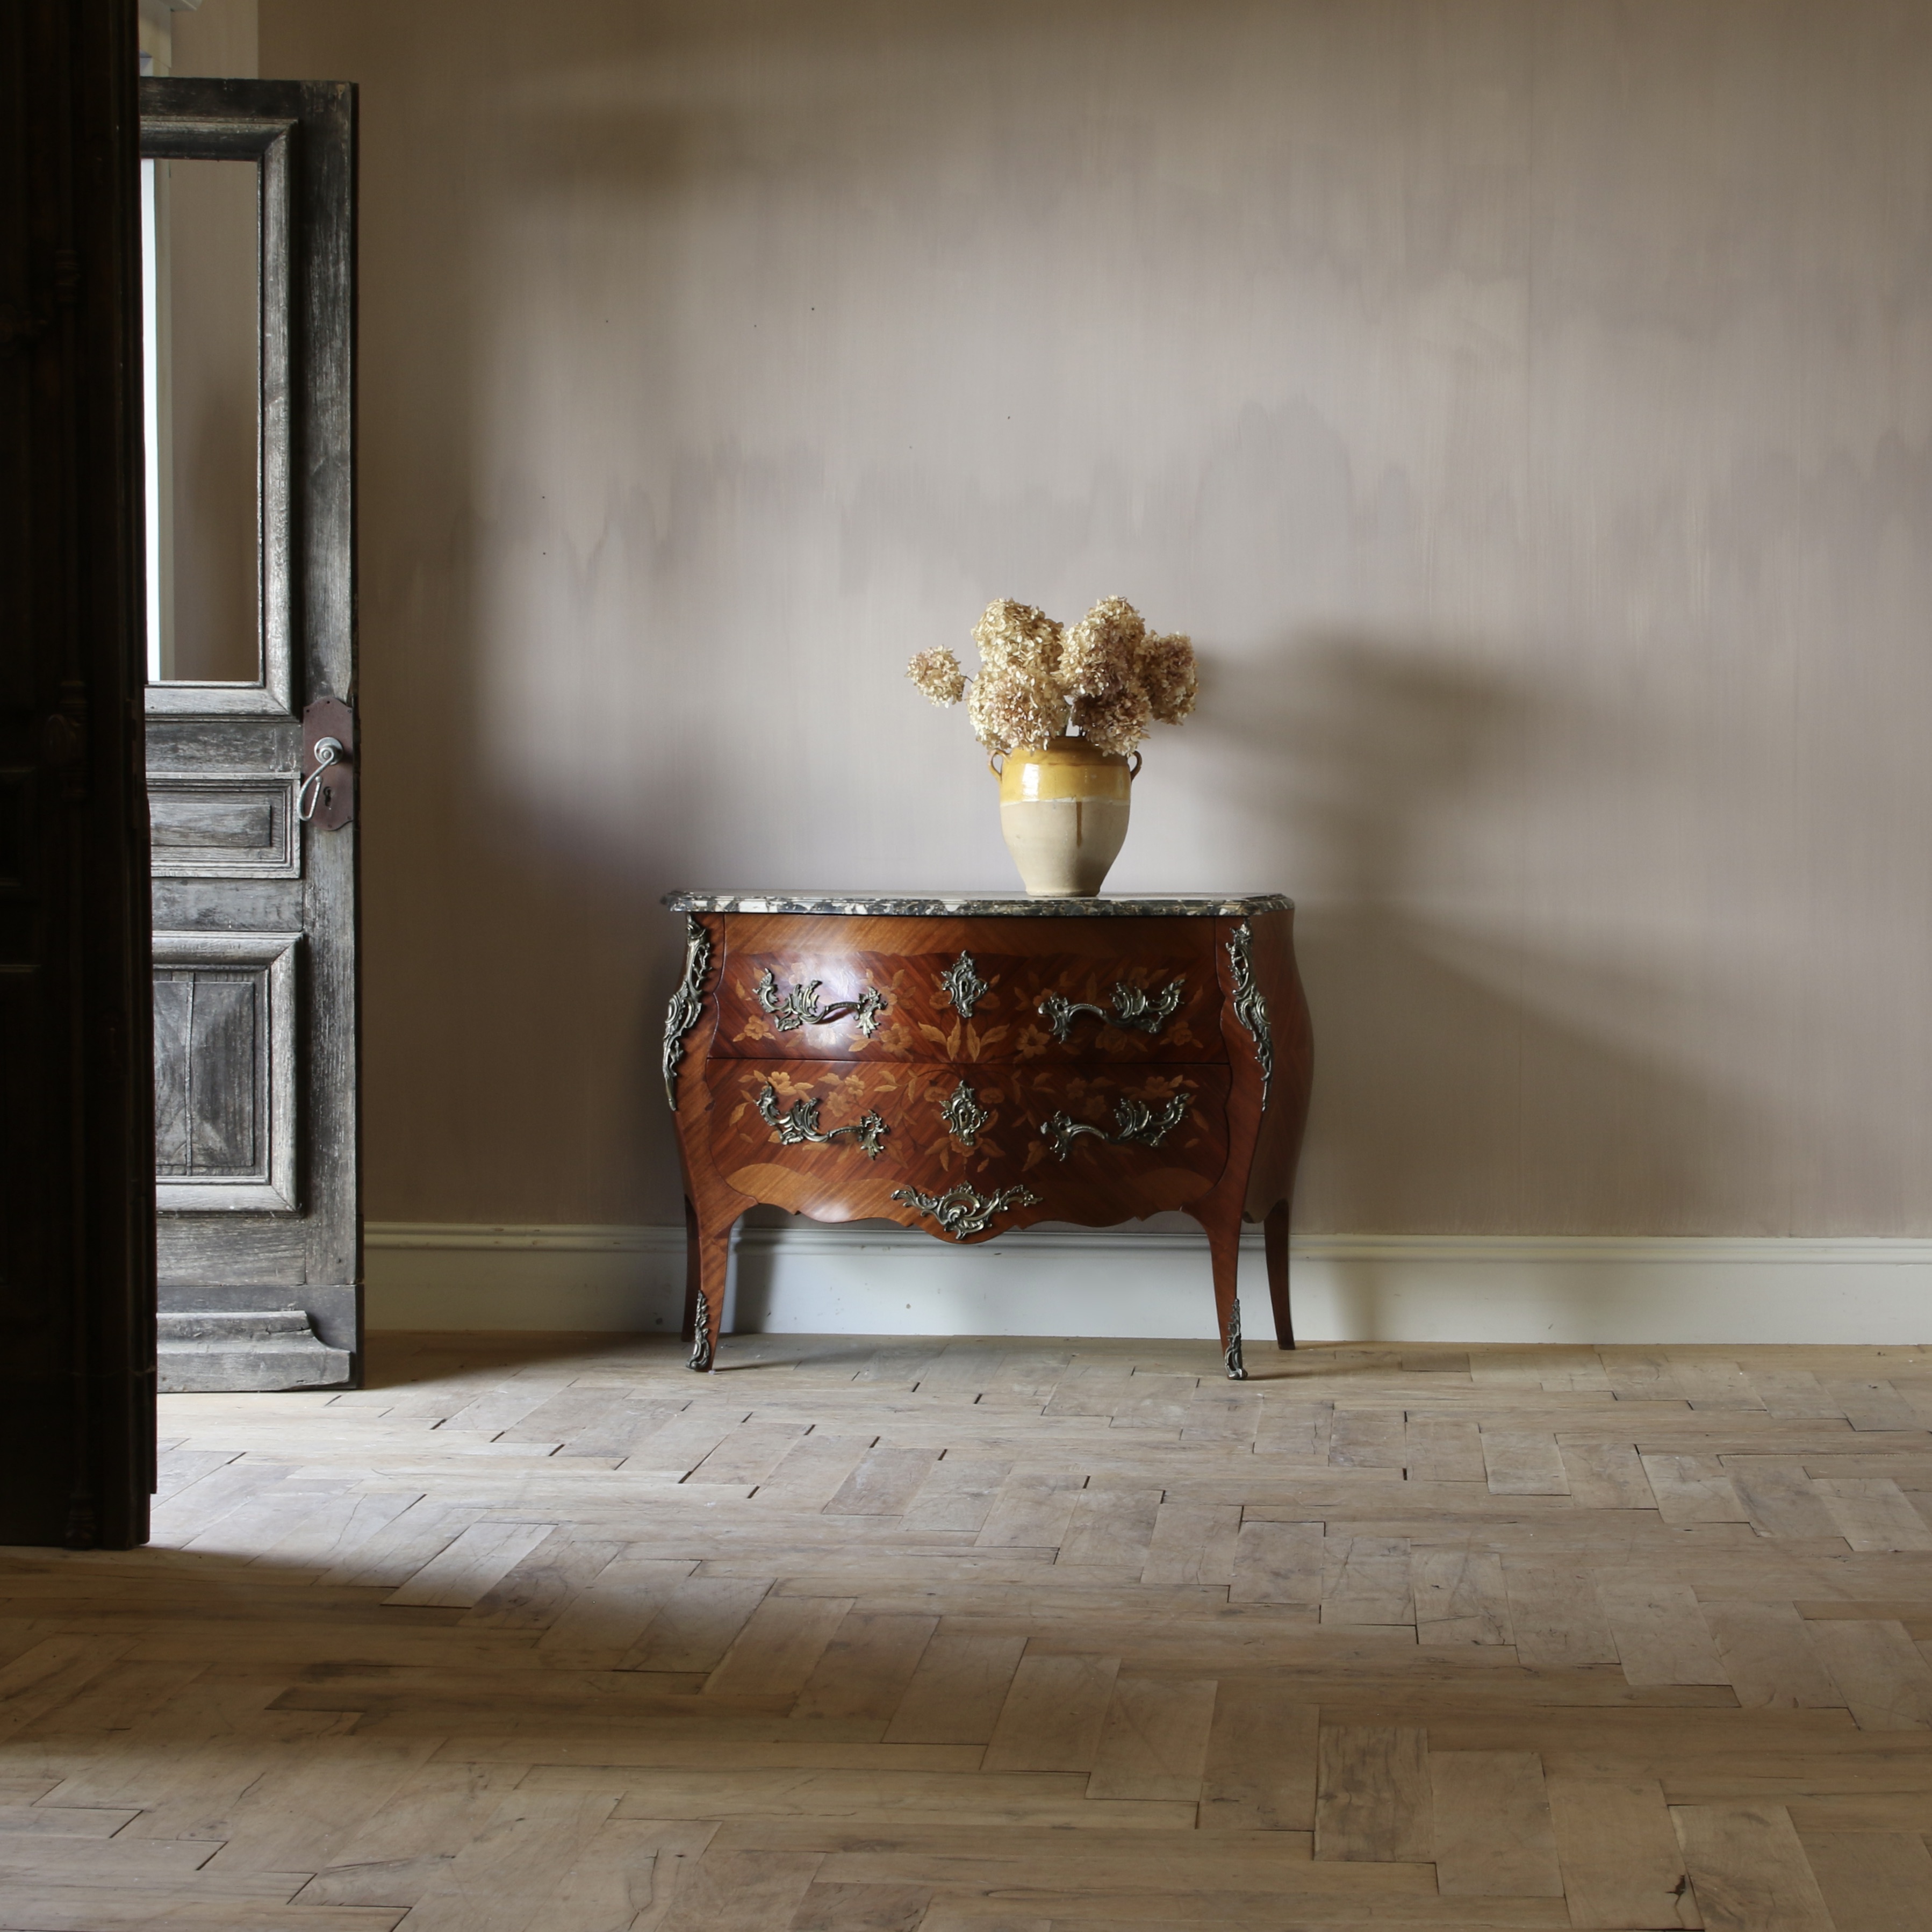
328 751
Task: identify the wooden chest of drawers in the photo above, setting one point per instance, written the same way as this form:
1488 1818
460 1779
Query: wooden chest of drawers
969 1066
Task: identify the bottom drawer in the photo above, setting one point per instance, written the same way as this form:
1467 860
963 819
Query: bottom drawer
1095 1142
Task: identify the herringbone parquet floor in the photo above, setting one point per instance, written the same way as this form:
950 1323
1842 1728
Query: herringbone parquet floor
549 1634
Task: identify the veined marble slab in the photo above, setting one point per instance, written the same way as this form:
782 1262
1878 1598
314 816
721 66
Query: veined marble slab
954 905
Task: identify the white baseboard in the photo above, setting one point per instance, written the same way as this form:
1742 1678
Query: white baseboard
1139 1282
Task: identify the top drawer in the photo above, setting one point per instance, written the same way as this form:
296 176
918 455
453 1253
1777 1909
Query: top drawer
796 986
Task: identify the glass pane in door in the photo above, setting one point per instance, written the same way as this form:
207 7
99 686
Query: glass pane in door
202 277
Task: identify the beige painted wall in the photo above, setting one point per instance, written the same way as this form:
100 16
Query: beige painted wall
217 36
1525 407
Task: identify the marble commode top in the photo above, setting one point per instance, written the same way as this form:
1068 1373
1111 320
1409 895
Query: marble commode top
951 905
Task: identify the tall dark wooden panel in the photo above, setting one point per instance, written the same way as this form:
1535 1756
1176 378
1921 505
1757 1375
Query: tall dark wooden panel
76 1215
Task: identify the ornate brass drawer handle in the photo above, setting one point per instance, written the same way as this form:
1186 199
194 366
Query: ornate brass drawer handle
1138 1122
799 1123
960 1212
1133 1009
1250 1004
962 985
800 1007
963 1115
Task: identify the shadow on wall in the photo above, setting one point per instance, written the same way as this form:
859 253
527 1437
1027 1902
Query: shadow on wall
1475 1075
1471 1078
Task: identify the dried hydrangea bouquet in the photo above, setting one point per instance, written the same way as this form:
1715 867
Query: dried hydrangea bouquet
1067 709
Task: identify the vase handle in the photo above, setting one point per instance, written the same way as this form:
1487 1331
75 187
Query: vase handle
1133 766
997 771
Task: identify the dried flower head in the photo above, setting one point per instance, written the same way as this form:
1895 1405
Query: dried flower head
1098 658
1017 698
937 673
1107 677
1009 709
1117 722
1017 635
1168 676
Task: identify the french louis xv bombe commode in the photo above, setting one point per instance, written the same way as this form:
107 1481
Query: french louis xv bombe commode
967 1065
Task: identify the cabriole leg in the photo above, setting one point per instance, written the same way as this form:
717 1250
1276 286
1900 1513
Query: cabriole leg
687 1327
709 1260
1224 1246
1274 1239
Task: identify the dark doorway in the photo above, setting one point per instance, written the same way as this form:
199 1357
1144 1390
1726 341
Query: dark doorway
76 1216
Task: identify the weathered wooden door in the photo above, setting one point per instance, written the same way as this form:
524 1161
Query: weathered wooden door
249 295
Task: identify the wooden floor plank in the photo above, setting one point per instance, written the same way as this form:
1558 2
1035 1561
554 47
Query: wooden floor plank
1876 1879
1054 1714
1445 1452
1278 1563
1620 1863
1694 1489
1111 1527
1794 1395
1368 1438
1459 1596
1192 1545
779 1647
535 1591
1373 1800
1767 1657
1783 1500
1365 1579
1523 1463
1879 1671
861 1908
956 1694
1555 1616
1748 1870
697 1623
1259 1774
956 1495
1872 1403
1032 1509
885 1481
866 1666
596 1629
1606 1476
1492 1835
1660 1632
812 1471
1874 1514
735 1891
1154 1742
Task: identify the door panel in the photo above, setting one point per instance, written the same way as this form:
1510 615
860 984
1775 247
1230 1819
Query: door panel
226 1108
256 1147
223 825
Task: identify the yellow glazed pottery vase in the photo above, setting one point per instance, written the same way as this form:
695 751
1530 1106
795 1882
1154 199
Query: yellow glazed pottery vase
1063 809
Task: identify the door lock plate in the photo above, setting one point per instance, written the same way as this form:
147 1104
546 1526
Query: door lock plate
332 779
